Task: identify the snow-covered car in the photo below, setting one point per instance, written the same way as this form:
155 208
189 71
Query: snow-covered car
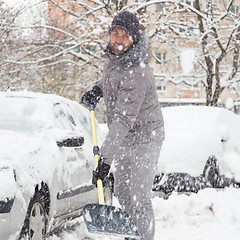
201 149
46 163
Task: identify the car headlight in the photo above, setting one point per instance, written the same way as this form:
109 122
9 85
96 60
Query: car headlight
6 205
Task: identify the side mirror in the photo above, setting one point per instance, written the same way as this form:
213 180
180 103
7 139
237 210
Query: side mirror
71 142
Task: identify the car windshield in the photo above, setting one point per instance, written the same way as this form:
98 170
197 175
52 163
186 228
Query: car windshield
20 114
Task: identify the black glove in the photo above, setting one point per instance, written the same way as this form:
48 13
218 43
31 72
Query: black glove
101 171
93 96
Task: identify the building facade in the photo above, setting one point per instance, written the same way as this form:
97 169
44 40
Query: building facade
178 74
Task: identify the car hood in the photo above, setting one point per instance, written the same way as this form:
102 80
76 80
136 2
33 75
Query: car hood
27 156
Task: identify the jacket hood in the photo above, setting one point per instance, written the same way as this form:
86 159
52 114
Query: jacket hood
138 53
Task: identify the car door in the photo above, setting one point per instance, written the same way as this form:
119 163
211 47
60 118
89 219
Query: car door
77 189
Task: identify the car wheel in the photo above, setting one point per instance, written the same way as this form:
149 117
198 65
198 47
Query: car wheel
35 224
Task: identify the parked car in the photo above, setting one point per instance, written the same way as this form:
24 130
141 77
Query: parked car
201 149
46 163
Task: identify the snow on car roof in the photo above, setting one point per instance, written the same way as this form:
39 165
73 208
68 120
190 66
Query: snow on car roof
25 108
33 95
35 107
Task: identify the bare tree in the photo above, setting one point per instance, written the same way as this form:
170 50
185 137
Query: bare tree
212 29
220 42
60 59
62 54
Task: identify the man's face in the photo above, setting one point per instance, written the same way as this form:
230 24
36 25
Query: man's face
120 41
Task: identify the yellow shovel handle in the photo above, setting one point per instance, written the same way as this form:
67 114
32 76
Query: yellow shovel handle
96 157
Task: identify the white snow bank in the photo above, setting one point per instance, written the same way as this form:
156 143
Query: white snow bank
210 215
193 133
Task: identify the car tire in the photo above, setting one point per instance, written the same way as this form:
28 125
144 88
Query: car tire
35 224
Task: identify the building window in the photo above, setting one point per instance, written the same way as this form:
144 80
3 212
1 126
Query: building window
89 48
212 5
234 9
161 58
161 88
182 30
190 3
159 7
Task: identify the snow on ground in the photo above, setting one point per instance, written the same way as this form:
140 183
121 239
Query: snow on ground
211 214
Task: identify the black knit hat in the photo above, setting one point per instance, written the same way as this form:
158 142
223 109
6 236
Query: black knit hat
129 23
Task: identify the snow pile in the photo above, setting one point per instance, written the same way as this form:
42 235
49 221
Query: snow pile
193 133
210 215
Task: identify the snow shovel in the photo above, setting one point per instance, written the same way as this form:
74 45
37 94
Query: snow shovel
100 218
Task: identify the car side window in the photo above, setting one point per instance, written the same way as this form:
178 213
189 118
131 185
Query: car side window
63 117
83 120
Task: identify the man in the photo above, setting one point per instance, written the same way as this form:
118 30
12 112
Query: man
134 118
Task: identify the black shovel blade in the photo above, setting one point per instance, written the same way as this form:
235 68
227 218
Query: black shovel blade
109 220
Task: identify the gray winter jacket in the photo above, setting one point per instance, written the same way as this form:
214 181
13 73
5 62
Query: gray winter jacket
133 112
